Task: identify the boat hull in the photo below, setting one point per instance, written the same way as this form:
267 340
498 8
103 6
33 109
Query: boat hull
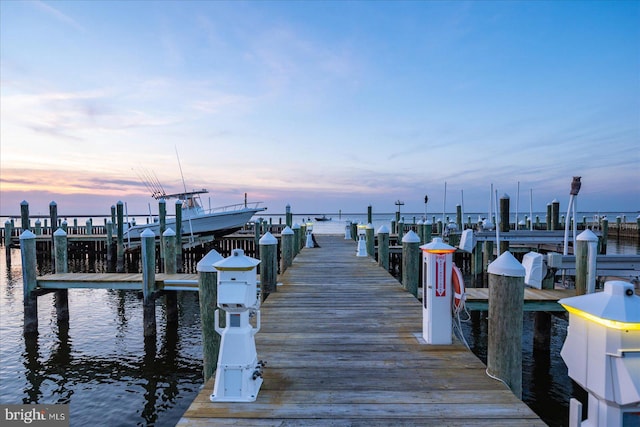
217 224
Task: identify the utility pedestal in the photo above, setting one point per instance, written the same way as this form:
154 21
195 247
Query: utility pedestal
437 262
239 373
362 240
602 352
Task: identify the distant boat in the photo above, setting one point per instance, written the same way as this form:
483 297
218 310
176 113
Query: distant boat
323 218
196 221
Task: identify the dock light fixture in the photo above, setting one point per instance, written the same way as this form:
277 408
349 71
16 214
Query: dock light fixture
362 240
309 233
238 373
602 353
437 291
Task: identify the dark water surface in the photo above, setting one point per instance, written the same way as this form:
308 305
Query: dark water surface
101 365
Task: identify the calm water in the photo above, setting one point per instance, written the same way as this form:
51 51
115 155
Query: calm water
109 375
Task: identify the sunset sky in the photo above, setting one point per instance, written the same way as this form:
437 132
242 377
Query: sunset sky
325 106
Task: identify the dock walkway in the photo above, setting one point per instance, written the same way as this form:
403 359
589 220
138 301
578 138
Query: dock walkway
340 338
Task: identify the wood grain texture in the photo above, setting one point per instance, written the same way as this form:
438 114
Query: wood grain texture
340 340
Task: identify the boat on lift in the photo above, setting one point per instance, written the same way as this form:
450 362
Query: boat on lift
198 221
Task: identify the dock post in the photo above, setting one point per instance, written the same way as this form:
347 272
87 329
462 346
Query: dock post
29 281
487 256
369 214
400 229
411 262
428 231
162 213
459 217
506 300
109 227
148 240
476 260
53 215
555 215
38 228
383 247
371 241
120 238
504 222
287 248
89 226
288 216
178 231
62 262
268 264
208 297
548 218
8 230
170 297
24 216
296 239
586 251
605 235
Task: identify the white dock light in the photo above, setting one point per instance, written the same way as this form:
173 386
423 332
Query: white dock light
362 240
239 373
602 352
309 241
437 264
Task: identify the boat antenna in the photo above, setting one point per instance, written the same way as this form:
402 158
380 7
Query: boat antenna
181 174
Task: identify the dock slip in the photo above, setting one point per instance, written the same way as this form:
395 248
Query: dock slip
341 339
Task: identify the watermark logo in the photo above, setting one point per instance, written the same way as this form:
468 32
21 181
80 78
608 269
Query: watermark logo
34 415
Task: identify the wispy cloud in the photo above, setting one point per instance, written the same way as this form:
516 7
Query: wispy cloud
58 15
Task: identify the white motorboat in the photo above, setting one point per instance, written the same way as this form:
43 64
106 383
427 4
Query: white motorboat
197 221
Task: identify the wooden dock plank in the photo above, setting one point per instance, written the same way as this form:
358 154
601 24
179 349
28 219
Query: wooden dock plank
340 338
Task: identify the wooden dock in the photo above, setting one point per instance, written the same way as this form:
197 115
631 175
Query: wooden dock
341 339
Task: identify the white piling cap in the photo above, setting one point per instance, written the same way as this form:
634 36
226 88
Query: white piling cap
295 226
268 239
287 230
205 265
27 234
369 226
169 232
411 237
59 232
237 261
587 236
618 302
383 229
147 233
506 265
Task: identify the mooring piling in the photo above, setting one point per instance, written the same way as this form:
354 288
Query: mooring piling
383 247
120 237
506 300
29 281
411 262
170 267
287 235
61 255
148 238
208 298
268 264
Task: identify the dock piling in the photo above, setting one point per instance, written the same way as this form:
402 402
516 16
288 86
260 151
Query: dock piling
383 247
287 236
506 296
29 281
62 295
170 297
268 264
411 262
208 298
148 282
